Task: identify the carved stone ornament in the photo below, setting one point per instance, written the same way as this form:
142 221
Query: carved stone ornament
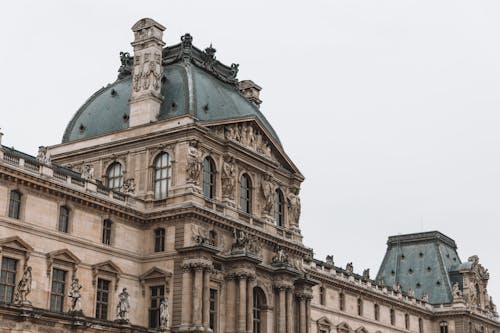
248 136
193 163
75 305
267 188
123 306
281 257
245 243
457 293
329 260
366 274
88 172
396 287
294 207
23 288
126 65
411 293
201 235
128 186
228 177
425 298
481 273
147 72
164 314
349 268
43 155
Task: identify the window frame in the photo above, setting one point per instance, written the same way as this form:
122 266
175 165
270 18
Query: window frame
392 314
360 306
209 178
246 193
66 221
376 311
159 243
341 301
58 295
114 181
8 285
213 309
107 231
99 303
279 208
155 299
15 204
158 165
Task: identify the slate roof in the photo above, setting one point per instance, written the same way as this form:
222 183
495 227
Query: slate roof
194 83
421 261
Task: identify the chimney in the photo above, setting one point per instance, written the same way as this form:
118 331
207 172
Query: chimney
250 91
147 72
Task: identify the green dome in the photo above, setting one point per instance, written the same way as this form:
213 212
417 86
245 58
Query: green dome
193 83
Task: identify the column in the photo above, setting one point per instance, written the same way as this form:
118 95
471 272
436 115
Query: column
308 313
282 311
197 291
187 287
302 311
206 298
290 313
230 303
250 285
242 318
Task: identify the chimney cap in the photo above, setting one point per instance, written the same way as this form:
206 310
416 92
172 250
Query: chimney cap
147 23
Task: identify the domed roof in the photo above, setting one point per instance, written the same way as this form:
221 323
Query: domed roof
193 83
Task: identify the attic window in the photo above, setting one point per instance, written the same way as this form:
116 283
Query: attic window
418 285
125 117
113 92
438 283
429 269
82 128
410 271
393 273
205 108
420 254
403 257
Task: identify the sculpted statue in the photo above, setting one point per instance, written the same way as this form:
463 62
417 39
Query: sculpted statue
329 260
152 73
281 257
126 65
349 267
366 274
411 293
123 306
193 162
425 298
381 282
396 287
88 172
43 155
457 293
129 186
243 242
228 177
74 294
201 235
294 207
23 288
268 192
163 314
493 307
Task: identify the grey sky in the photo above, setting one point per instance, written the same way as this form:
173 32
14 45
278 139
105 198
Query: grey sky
389 108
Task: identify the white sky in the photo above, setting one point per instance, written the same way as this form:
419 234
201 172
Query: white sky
389 108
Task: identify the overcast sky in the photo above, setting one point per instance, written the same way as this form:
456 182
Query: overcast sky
389 108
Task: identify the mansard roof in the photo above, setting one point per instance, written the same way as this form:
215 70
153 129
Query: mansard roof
421 261
194 83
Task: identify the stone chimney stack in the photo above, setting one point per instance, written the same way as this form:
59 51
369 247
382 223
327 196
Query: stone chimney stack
147 72
250 91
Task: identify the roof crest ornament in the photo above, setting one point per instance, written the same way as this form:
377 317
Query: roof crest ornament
126 65
186 47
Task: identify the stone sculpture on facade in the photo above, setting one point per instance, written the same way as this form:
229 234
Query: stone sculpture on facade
248 136
281 257
329 260
366 274
43 155
23 288
193 163
75 295
88 172
123 306
268 193
411 293
128 186
201 235
425 298
457 293
396 287
245 243
126 65
349 268
228 177
164 315
148 73
294 207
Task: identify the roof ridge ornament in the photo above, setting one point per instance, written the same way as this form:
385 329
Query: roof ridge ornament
186 47
126 65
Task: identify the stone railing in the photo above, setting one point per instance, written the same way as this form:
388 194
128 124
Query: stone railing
60 175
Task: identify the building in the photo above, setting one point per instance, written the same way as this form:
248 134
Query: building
171 205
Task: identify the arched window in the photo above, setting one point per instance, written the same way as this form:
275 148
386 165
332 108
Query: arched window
245 194
443 327
115 176
63 219
15 204
278 208
162 175
209 178
259 303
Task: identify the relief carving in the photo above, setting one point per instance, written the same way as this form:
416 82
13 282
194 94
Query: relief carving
147 74
88 172
202 236
245 243
228 177
43 155
128 186
193 162
268 193
294 207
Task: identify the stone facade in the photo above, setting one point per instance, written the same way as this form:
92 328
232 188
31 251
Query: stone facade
176 224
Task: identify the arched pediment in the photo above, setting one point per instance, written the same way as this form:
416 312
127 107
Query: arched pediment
324 321
15 243
63 257
343 327
155 274
361 330
106 268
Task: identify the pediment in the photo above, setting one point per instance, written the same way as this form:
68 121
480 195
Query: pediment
108 267
15 243
251 134
343 327
155 273
361 330
64 255
323 321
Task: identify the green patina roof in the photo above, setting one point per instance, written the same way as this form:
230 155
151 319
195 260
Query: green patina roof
421 261
194 83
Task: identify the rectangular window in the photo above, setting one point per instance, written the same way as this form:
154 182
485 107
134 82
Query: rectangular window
393 317
14 204
407 321
360 307
341 301
157 295
57 293
376 310
159 240
106 232
420 325
102 299
322 295
443 327
63 219
213 310
7 279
